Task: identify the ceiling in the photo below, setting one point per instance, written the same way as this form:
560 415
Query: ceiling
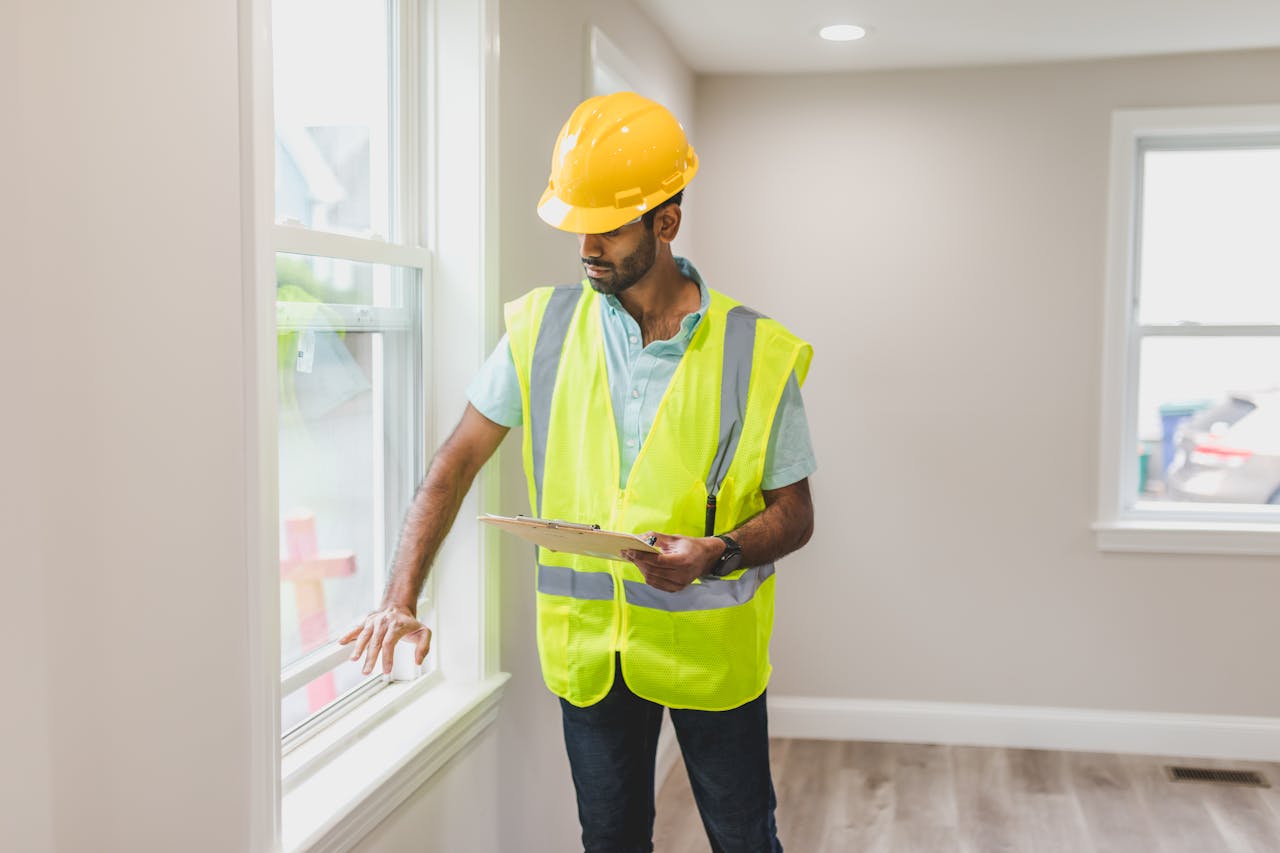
780 36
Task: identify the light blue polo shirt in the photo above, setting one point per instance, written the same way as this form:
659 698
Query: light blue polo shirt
638 378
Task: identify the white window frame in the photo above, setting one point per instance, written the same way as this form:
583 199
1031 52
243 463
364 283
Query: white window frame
334 786
1125 523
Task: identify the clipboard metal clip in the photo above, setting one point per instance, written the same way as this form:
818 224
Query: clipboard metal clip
555 523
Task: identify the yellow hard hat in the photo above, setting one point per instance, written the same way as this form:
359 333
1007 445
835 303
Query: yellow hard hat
617 157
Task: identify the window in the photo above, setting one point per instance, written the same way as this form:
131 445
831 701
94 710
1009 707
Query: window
370 315
1192 384
349 333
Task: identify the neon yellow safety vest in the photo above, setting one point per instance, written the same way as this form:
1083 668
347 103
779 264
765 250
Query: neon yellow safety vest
707 646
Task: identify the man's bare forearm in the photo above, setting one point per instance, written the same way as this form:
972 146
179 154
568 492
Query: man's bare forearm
434 508
783 526
436 505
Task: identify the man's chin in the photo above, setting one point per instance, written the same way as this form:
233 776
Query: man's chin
612 284
607 287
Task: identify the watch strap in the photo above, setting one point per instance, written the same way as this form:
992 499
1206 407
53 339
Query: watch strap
730 559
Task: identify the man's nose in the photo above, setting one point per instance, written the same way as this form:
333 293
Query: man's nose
590 246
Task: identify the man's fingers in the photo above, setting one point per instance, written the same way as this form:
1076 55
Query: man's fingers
669 572
350 635
389 649
645 560
362 640
664 584
659 580
423 645
375 643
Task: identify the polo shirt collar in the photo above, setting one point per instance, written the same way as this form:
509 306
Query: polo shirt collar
690 322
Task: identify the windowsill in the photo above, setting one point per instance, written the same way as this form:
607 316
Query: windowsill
335 794
1183 536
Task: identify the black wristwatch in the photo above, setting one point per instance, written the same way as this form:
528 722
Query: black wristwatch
729 561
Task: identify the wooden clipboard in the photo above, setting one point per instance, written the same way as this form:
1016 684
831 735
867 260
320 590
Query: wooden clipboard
570 537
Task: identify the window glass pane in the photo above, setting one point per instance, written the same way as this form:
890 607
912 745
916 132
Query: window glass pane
334 118
1210 220
348 358
1209 420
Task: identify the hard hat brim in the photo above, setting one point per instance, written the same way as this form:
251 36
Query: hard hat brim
597 220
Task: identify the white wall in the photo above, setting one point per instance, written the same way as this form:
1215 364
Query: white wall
25 793
662 74
136 614
940 238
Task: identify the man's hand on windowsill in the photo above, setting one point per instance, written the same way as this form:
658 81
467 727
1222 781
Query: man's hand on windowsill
380 632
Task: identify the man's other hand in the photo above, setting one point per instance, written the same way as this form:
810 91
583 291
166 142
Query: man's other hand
680 560
381 630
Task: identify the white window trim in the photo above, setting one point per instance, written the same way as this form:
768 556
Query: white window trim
406 734
349 776
1124 523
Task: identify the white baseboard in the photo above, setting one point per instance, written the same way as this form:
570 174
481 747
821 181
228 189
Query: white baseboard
1141 732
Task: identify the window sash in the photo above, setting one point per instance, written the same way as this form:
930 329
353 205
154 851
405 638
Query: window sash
1134 506
346 317
299 240
392 488
311 666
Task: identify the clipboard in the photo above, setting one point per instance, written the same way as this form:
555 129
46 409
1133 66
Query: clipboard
569 537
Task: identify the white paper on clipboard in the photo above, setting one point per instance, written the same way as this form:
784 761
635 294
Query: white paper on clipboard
570 537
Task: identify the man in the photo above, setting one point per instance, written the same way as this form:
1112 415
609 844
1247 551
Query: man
651 405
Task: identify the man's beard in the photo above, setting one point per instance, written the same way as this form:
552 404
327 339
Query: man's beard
629 270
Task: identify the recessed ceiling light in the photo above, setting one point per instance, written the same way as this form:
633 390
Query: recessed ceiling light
842 32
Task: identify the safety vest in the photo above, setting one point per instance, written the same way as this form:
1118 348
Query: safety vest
707 646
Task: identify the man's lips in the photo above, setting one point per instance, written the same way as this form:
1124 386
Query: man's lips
596 271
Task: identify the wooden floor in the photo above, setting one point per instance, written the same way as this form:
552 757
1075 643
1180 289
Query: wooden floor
855 797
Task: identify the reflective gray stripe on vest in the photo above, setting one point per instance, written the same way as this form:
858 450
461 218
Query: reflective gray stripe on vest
739 351
562 580
711 594
542 375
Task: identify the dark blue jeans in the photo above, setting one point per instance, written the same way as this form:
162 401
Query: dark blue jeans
612 748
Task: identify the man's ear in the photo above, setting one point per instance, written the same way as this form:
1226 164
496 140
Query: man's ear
666 223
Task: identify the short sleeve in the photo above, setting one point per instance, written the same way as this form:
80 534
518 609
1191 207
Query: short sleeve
789 457
495 389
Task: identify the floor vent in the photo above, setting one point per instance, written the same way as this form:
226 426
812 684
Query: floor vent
1223 777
